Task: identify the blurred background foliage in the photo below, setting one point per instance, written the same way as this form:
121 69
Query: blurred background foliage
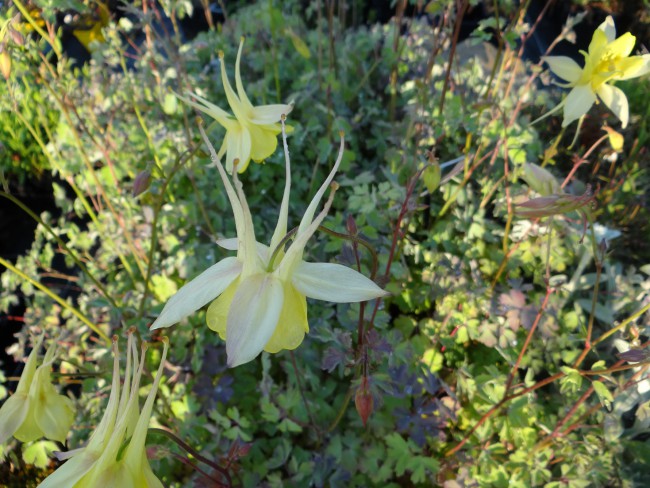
479 366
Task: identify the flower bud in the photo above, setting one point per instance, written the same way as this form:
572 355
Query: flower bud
553 205
351 226
36 409
5 64
141 182
616 140
363 400
540 180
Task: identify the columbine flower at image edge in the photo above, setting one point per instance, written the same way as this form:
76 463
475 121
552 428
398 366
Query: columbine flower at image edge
105 461
252 133
261 304
607 60
36 409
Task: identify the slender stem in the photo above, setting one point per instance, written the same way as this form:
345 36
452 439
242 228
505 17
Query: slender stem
342 410
583 398
623 324
186 447
61 243
462 7
75 311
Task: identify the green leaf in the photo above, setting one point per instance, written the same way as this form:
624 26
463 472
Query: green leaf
298 44
170 104
431 177
604 395
39 452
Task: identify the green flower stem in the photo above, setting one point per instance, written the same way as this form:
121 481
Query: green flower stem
186 447
61 243
622 325
189 463
75 311
342 410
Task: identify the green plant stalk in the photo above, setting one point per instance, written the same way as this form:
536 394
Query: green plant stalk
342 411
462 7
622 325
186 447
61 243
75 311
583 398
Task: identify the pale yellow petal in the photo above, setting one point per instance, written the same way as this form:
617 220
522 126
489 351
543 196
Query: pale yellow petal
238 108
12 415
269 114
577 103
608 28
564 67
217 314
598 44
238 147
264 143
53 413
253 317
292 324
633 67
199 291
622 47
616 101
334 283
210 109
243 98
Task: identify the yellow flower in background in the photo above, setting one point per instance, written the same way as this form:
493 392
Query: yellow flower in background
115 454
259 297
89 27
252 132
36 409
607 60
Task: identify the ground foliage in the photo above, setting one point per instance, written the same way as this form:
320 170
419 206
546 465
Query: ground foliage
493 363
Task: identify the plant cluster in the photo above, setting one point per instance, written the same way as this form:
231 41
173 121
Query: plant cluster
482 278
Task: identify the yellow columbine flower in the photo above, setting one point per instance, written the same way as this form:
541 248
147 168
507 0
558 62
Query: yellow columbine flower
106 460
262 292
36 410
607 60
252 133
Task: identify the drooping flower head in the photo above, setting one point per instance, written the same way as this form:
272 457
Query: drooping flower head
105 460
260 295
252 132
552 199
607 60
36 409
